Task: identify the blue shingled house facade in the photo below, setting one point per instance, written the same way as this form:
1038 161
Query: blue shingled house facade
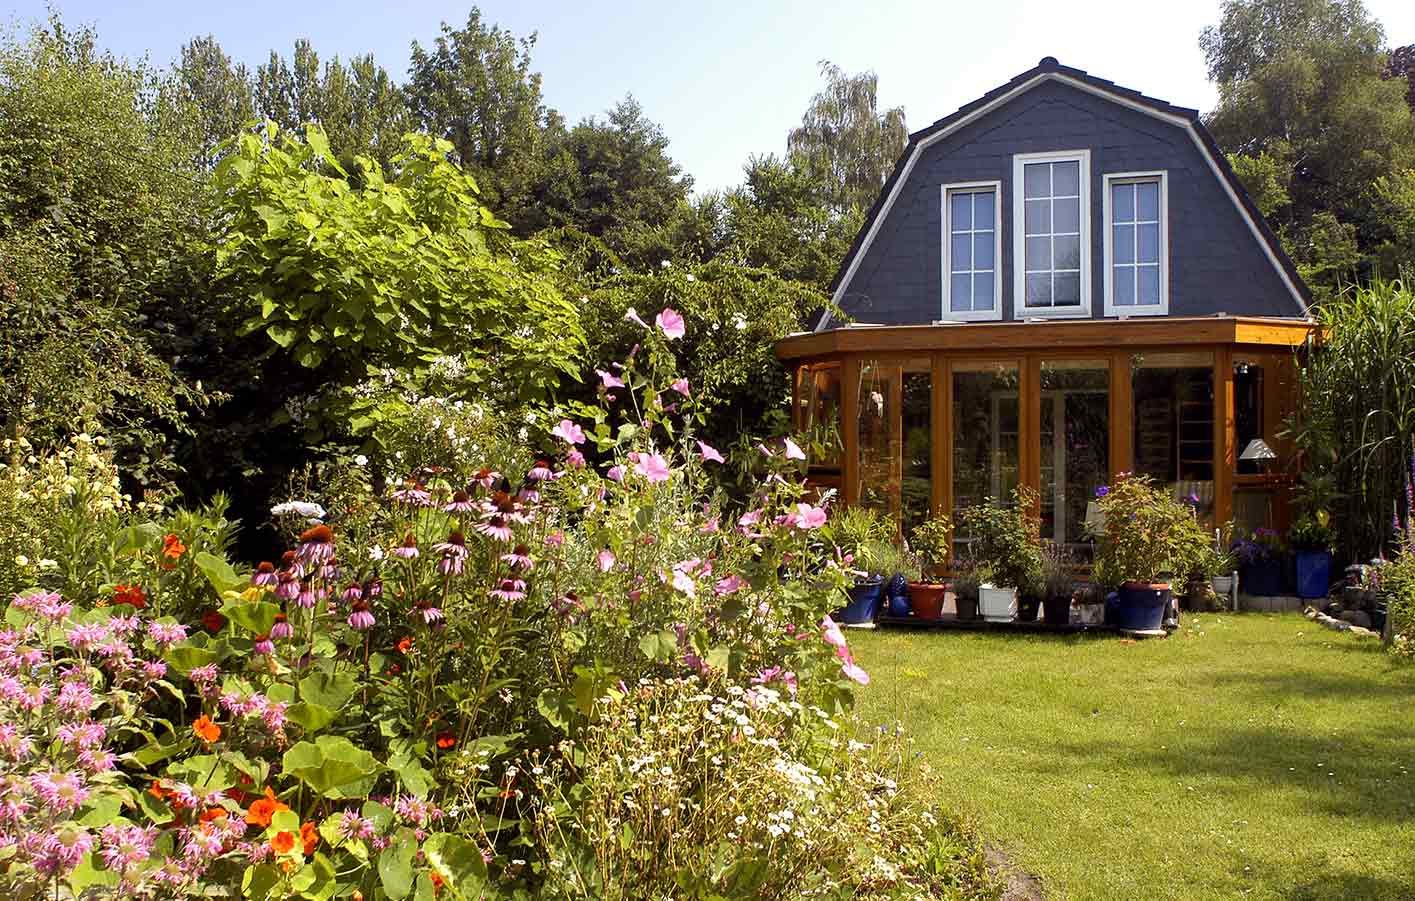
1061 281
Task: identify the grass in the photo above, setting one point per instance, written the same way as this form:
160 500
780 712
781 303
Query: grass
1252 756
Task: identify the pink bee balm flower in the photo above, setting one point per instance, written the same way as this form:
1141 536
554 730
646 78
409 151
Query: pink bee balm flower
633 316
569 432
709 452
671 322
652 467
809 517
605 560
609 379
681 386
794 452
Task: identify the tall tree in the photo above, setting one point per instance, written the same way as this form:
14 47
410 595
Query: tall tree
474 87
1301 88
1401 64
220 93
845 142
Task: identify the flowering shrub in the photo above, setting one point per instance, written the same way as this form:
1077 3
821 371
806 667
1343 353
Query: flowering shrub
358 716
1147 534
1262 546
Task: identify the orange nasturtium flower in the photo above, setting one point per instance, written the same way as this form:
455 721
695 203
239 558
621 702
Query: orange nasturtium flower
130 594
212 813
436 882
173 547
404 644
310 837
446 740
264 809
283 843
206 730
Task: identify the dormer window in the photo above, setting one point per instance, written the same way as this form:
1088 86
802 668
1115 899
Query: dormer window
1051 203
1137 244
972 250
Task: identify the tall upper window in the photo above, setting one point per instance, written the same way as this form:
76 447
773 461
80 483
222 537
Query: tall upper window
1052 201
1137 257
972 285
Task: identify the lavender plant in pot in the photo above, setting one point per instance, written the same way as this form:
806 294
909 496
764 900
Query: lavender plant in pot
968 579
1148 535
1057 585
931 543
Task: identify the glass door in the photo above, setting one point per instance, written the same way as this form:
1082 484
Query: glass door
1075 448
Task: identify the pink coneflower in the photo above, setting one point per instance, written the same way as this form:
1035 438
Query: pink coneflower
486 478
63 792
352 592
454 554
306 599
288 586
509 590
408 550
427 612
263 645
540 472
265 575
361 618
519 558
164 634
329 572
316 546
280 629
461 503
413 494
495 527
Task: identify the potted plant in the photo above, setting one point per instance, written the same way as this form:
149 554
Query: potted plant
1057 585
1311 540
1259 559
967 586
1148 537
1006 537
932 541
862 537
901 568
1090 605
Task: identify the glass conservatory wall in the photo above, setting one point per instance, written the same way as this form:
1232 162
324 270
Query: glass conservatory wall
986 424
1173 423
1075 448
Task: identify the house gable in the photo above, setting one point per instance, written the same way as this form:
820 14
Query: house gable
1221 256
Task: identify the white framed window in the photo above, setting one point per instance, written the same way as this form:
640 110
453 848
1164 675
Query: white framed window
1052 234
972 251
1137 244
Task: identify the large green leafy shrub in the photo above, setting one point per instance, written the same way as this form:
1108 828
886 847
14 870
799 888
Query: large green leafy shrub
1147 534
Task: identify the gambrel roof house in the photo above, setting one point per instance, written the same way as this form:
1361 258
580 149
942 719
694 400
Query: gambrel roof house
1061 281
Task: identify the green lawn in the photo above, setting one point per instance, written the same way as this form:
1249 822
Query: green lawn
1254 756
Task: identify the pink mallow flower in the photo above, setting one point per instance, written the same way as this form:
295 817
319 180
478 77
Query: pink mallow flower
569 432
605 560
652 467
633 316
681 386
793 451
809 517
671 322
709 452
609 379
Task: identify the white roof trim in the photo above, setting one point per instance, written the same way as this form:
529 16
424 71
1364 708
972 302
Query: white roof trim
1026 86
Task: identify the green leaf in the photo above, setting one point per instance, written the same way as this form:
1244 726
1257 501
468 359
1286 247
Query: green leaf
458 861
86 875
719 657
311 717
558 707
258 880
395 864
283 335
659 646
255 617
186 657
411 773
218 572
332 690
134 538
332 766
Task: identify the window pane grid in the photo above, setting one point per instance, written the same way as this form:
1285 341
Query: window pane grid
1135 239
972 257
1052 233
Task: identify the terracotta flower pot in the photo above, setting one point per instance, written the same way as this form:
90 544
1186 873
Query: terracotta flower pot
926 598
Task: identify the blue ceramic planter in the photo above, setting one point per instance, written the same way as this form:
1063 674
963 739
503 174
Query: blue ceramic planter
1313 573
1140 608
896 594
864 604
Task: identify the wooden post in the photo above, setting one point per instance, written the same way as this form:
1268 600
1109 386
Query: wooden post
1029 426
850 430
1225 457
940 435
1122 409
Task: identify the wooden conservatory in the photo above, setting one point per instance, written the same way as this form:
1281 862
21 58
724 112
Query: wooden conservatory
1061 281
935 418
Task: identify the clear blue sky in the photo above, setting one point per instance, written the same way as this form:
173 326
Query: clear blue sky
725 80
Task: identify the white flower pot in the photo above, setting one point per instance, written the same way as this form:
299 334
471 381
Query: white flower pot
1088 614
1223 585
997 605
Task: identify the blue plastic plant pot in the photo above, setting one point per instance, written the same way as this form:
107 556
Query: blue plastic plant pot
898 599
864 603
1313 573
1262 579
1140 607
